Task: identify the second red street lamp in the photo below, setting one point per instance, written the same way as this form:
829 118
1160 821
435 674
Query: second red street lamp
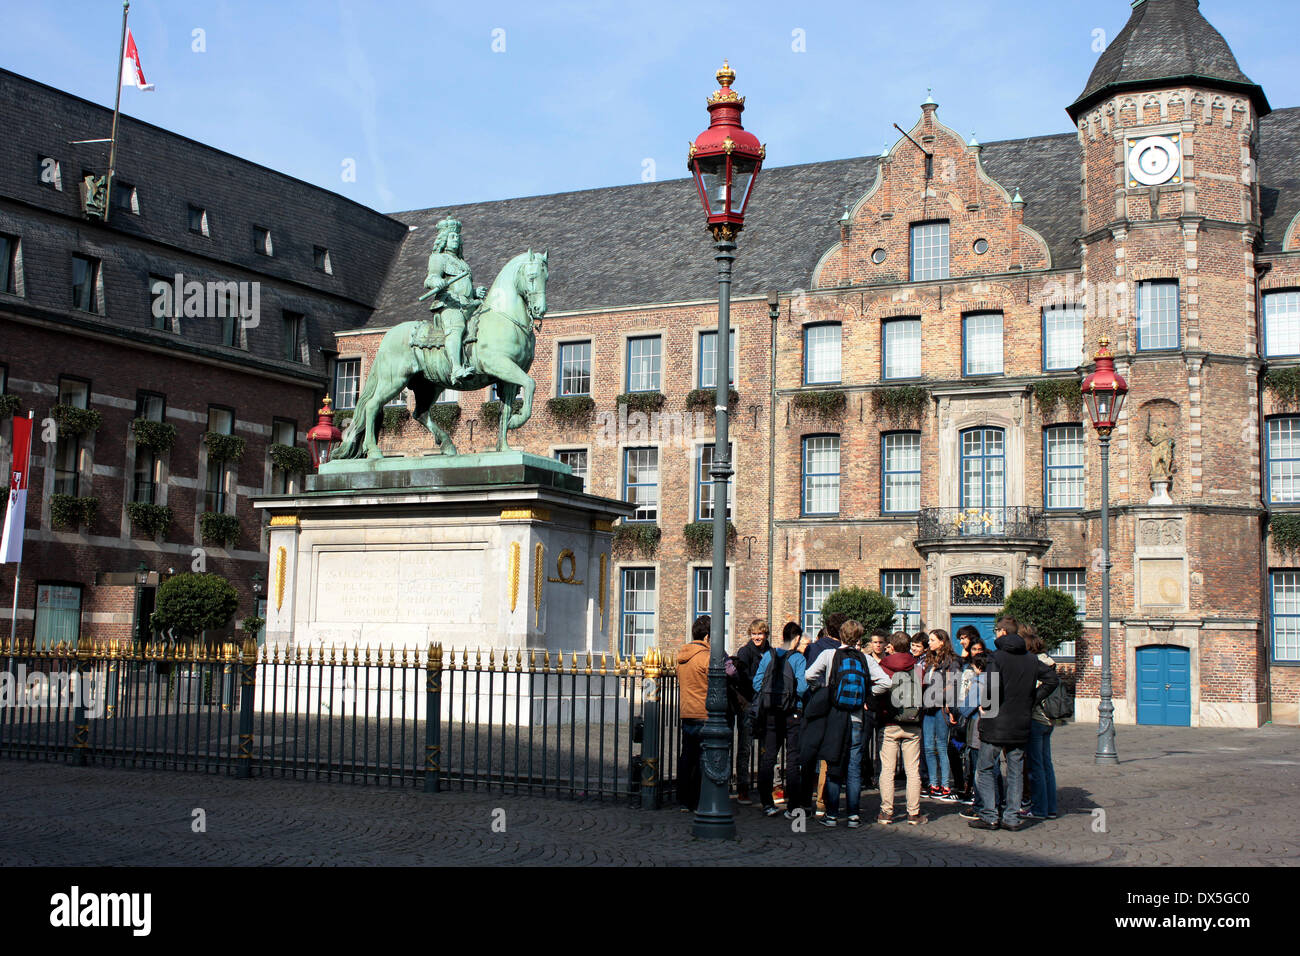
724 160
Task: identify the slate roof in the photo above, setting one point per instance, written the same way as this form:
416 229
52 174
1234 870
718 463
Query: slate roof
646 243
1162 41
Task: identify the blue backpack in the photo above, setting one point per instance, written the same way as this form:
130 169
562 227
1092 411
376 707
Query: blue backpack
849 680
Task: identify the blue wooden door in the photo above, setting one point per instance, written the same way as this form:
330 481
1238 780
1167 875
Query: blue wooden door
981 622
1164 686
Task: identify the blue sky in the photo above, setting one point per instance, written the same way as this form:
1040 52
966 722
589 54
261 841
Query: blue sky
586 94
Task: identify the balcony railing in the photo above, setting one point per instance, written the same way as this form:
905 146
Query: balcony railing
939 524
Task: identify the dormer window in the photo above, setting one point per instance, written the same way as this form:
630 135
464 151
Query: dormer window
262 241
321 255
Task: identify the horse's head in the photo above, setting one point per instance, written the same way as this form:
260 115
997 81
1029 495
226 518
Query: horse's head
530 283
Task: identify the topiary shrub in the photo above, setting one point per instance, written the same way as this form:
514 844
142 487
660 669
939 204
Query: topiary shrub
572 410
219 528
70 511
290 458
1283 384
1049 392
1284 529
699 538
705 400
869 608
394 415
636 538
900 402
223 447
76 421
825 403
445 415
1053 613
490 412
157 436
642 401
153 520
189 604
252 625
9 405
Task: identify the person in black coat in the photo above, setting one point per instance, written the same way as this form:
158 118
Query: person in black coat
1018 681
746 662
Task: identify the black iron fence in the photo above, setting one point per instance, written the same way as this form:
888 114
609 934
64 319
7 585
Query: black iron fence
528 722
942 524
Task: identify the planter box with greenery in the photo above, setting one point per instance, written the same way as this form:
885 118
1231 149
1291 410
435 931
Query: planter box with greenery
490 412
156 436
699 538
637 538
342 420
1284 529
869 608
218 528
573 410
9 405
445 415
703 399
223 447
646 402
1283 384
290 458
825 403
69 511
1049 392
1053 613
394 416
901 403
153 520
76 421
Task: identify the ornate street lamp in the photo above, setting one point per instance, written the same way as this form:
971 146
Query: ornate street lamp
1103 393
724 160
324 437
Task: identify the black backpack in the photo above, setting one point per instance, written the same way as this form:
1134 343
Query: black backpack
1059 704
848 680
780 691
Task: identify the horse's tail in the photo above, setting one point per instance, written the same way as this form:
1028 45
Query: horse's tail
357 426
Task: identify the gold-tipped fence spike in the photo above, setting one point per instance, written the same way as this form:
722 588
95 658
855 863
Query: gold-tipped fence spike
492 659
604 666
588 662
435 659
297 653
332 654
405 663
532 659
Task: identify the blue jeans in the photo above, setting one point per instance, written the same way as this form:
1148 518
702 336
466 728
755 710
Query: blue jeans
985 772
973 765
688 767
934 740
854 782
1042 775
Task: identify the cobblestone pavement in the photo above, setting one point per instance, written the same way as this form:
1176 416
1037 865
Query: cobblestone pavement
1179 796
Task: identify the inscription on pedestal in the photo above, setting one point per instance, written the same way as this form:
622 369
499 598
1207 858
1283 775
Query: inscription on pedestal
408 586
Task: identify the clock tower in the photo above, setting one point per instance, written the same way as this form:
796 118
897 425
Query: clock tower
1170 217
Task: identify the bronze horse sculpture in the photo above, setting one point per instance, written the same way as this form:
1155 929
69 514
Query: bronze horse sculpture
499 349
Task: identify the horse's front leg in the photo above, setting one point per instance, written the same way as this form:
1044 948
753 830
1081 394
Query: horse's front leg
504 370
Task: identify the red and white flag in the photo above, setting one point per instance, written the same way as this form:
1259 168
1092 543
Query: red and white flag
132 72
11 545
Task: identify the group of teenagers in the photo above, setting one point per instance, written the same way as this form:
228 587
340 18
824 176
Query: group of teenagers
846 710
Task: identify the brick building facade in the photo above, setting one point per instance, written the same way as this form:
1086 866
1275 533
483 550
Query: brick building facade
904 420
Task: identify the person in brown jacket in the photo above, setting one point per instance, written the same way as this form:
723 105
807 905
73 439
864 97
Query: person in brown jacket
692 690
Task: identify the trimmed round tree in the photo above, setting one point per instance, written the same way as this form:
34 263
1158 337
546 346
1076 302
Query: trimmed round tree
869 608
189 604
1053 614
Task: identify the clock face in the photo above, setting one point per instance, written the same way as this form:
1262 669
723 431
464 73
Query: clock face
1154 161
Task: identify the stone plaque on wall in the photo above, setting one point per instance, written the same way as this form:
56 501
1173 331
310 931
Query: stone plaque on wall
407 586
1162 582
1160 532
977 589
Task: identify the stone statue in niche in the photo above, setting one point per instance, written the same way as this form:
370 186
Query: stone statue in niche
1162 460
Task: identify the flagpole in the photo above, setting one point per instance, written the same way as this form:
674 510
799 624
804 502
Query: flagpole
18 567
117 107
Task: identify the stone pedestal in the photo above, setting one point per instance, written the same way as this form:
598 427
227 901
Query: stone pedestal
1160 493
496 551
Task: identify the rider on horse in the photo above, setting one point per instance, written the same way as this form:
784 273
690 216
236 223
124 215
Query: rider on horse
455 298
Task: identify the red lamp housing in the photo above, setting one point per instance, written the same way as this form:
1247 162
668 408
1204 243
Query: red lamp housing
1104 390
725 160
324 435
